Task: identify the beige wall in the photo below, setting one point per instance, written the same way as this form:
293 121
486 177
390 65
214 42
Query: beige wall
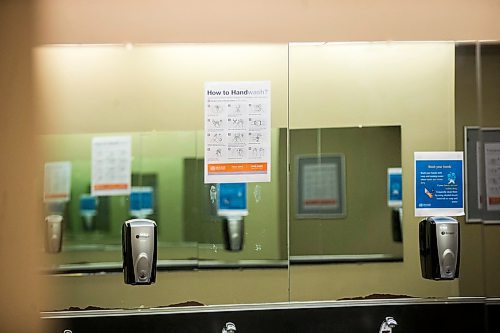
19 286
152 21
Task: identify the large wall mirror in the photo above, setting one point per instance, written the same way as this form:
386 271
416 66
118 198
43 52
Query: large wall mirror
343 116
478 108
154 96
380 97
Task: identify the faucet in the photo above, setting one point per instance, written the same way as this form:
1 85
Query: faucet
387 325
229 328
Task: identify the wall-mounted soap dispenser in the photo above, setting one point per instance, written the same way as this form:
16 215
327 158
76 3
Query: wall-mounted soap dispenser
54 233
54 226
88 210
439 248
232 207
139 245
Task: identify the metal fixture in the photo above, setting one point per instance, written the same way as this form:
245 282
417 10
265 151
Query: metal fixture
387 325
229 328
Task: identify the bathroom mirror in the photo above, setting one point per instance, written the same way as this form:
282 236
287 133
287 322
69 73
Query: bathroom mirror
390 99
483 60
154 95
346 87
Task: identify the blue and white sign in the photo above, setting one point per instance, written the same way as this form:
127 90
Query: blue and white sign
395 187
439 180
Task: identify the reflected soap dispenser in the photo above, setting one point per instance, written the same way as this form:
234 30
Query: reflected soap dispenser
439 238
139 245
54 233
232 207
88 211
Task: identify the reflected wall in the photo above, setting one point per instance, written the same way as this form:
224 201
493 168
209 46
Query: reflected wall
367 228
487 69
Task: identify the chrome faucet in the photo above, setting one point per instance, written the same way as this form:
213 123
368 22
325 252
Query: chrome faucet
229 328
387 325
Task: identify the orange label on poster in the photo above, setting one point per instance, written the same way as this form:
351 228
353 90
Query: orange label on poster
56 196
110 187
494 200
237 168
320 202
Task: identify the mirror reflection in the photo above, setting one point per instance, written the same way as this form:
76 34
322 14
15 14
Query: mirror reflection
406 85
340 209
351 111
168 188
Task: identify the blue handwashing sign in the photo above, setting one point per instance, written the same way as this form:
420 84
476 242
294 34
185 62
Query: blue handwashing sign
439 185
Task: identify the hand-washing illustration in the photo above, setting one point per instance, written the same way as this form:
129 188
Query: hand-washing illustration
215 109
256 108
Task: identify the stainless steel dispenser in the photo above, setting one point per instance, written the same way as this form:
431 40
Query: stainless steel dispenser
439 248
54 229
139 238
233 233
232 206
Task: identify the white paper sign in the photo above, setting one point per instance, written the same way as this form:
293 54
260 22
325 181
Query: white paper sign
492 175
111 165
57 182
237 132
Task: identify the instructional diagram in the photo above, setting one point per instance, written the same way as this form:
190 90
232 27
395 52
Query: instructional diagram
237 132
